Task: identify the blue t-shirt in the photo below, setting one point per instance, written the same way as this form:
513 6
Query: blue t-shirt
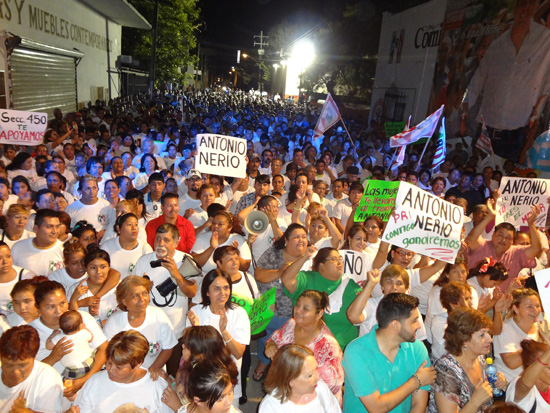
368 369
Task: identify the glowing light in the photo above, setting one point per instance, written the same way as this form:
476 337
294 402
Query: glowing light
303 53
276 65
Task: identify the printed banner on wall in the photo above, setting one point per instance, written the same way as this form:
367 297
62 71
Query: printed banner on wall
516 197
18 127
425 223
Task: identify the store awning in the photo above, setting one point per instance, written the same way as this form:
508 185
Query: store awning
119 11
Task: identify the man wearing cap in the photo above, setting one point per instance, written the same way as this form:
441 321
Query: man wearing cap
252 168
189 201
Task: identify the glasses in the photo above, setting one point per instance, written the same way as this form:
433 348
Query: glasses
405 254
335 259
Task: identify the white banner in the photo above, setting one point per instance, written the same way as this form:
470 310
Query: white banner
221 155
356 264
516 197
425 224
22 128
542 278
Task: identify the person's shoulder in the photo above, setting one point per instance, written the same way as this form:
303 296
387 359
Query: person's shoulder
46 372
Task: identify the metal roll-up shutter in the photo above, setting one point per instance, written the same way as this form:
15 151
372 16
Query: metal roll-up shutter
43 81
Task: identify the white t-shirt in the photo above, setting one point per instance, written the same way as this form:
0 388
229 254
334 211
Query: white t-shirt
95 214
325 402
238 327
508 341
186 202
39 261
6 306
43 390
26 235
239 288
199 217
202 243
152 207
101 394
175 304
62 277
81 348
439 324
15 320
528 401
123 260
342 211
156 328
107 305
44 332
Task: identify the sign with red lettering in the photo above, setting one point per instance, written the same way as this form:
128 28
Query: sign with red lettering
22 128
516 197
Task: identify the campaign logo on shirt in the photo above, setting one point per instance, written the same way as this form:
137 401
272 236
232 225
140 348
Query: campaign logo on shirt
154 348
53 266
102 218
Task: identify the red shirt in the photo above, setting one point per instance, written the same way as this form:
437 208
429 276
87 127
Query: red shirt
185 228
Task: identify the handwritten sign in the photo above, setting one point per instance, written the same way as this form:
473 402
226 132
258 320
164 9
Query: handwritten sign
542 278
261 313
221 155
378 199
18 127
425 224
516 197
356 264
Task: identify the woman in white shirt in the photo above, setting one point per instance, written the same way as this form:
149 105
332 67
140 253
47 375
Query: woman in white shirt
293 384
17 218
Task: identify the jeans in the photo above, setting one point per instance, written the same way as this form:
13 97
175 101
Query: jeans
275 324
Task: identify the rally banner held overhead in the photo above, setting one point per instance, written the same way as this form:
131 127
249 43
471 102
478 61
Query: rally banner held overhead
378 199
516 197
424 129
425 223
221 155
356 264
22 128
328 117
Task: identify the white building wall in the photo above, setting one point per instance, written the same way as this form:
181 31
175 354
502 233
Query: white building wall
69 25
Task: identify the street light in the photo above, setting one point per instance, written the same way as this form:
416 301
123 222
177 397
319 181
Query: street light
303 53
301 56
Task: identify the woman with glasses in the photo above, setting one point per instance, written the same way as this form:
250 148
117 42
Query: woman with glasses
327 275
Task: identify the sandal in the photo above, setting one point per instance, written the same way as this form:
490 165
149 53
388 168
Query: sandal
258 375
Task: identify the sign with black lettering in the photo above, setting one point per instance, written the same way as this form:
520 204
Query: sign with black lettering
356 264
22 128
516 197
221 155
424 223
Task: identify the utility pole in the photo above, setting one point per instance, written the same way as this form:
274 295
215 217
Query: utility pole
154 50
261 51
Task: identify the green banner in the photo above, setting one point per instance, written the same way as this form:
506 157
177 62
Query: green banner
261 312
393 128
243 301
378 199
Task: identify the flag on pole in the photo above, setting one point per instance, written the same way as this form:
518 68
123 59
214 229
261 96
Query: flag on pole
400 158
441 151
484 142
426 128
328 117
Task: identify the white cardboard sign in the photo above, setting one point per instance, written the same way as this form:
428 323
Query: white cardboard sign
516 197
221 155
18 127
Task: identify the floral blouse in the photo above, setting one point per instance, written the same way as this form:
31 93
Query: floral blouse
453 383
326 351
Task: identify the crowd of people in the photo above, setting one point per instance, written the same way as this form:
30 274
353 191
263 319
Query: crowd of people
125 272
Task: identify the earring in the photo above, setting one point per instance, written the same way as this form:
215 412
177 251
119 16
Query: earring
465 348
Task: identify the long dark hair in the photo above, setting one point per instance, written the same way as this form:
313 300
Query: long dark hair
208 280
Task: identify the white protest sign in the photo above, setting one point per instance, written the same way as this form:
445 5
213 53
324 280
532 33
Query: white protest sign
22 128
516 197
542 278
356 264
221 155
425 223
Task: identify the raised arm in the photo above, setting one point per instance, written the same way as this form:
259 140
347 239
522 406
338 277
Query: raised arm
534 249
355 310
335 235
473 237
288 277
427 272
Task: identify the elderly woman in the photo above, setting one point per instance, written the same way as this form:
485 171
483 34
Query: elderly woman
461 382
308 329
124 379
17 217
328 268
132 295
293 383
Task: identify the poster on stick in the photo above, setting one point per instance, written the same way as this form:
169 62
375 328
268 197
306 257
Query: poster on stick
18 127
425 223
378 199
356 264
221 155
516 197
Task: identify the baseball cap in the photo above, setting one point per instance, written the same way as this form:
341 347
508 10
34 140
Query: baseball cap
254 156
192 173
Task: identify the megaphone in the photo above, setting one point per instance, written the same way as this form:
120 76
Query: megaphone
256 222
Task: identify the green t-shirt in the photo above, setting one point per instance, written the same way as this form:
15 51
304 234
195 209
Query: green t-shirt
338 323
